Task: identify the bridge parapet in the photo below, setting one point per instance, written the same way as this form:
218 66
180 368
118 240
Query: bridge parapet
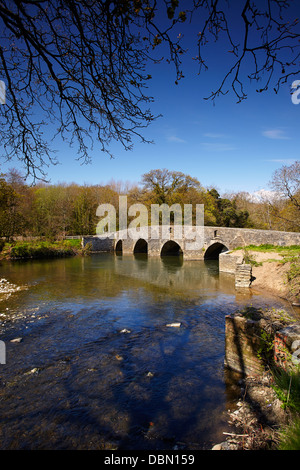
213 241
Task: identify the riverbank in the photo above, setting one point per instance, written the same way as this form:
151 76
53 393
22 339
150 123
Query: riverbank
275 270
270 385
258 418
263 412
269 403
40 249
263 418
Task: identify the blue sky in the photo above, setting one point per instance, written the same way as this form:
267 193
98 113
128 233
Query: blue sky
233 147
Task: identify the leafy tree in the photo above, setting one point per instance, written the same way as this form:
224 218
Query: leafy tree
52 210
82 66
10 217
24 201
168 186
84 212
226 212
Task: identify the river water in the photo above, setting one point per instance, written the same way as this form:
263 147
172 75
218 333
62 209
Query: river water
98 367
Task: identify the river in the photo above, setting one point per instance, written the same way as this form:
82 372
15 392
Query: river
97 367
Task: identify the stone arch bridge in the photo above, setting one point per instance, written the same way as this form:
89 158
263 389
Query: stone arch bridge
164 240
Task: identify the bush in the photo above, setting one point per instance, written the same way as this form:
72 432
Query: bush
41 250
20 250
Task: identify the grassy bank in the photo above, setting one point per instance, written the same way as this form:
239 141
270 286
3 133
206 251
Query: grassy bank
39 249
287 252
269 247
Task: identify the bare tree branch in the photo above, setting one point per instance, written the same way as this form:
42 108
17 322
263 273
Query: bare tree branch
82 66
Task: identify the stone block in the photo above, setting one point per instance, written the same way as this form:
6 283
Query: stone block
243 275
228 262
242 345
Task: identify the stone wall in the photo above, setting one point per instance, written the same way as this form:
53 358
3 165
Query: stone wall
230 238
242 345
228 262
249 337
156 238
99 244
235 237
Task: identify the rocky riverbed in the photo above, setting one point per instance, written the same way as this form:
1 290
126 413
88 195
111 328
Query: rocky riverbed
7 289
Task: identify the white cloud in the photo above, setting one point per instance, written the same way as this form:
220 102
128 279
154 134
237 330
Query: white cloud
213 135
287 161
174 138
277 134
217 147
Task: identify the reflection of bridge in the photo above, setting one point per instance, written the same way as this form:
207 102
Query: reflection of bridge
214 240
181 277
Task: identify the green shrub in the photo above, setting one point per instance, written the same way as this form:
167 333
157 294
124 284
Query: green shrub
20 250
42 249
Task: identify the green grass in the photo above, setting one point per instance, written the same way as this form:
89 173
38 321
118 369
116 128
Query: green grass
248 258
42 249
290 437
287 388
292 249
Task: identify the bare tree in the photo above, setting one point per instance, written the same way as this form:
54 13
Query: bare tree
79 65
267 42
286 182
82 65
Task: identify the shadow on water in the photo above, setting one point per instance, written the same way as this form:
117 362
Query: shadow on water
98 367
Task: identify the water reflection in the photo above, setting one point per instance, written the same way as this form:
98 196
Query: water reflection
97 366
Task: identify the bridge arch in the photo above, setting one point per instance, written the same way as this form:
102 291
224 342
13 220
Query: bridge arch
171 248
214 250
141 246
119 247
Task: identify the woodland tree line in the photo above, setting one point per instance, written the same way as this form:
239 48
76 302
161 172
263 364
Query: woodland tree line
54 211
